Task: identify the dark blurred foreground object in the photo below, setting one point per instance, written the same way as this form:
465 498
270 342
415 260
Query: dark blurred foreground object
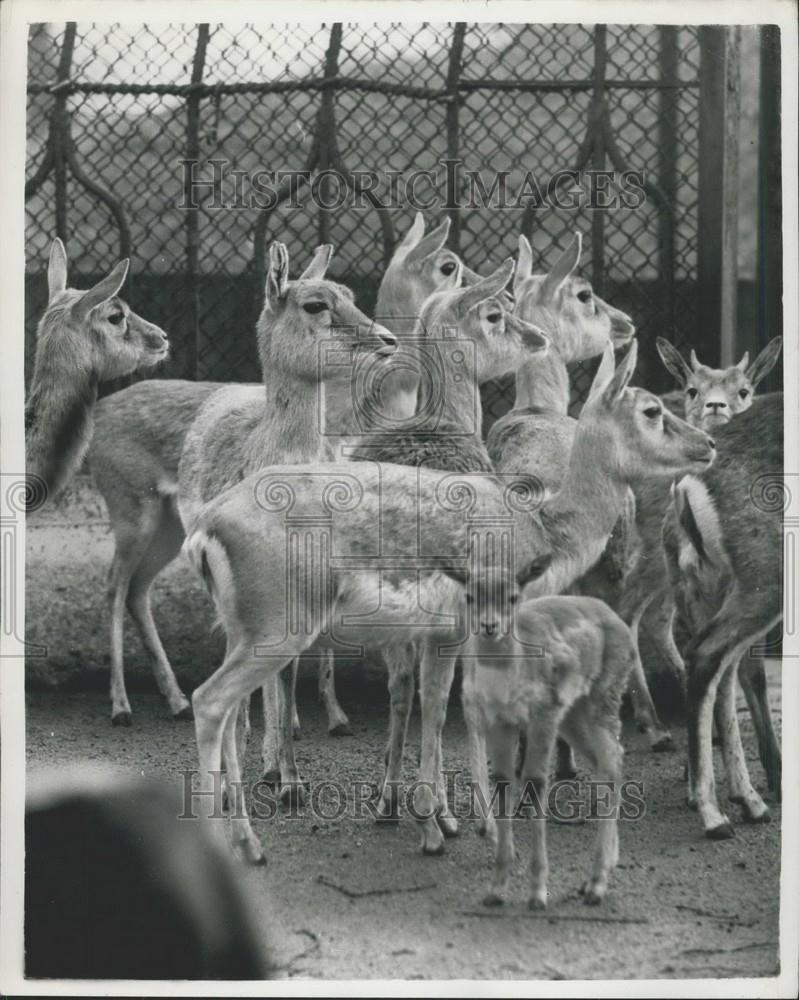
117 887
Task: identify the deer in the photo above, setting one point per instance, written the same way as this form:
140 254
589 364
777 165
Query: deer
723 543
539 667
139 436
484 342
370 576
709 398
82 340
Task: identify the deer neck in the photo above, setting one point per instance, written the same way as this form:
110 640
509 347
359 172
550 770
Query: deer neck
579 518
290 429
400 390
59 419
543 384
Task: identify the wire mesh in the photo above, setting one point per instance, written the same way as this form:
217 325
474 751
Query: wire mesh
117 108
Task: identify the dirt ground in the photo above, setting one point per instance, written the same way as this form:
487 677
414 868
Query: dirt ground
344 898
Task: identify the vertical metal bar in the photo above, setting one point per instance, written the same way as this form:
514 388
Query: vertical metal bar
769 202
719 113
598 157
59 132
326 127
668 58
454 70
192 322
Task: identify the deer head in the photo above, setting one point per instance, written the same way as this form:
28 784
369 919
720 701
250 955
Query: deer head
712 396
492 588
96 332
301 319
632 430
563 303
420 266
495 341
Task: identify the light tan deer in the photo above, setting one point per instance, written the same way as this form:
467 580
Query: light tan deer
83 339
140 432
367 573
709 397
723 538
539 667
535 437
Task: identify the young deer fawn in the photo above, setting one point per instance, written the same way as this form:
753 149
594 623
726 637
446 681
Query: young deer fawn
723 538
367 574
537 668
709 398
83 339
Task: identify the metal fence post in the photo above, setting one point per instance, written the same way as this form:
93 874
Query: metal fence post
769 202
719 114
191 345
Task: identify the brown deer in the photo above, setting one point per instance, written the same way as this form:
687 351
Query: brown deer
723 539
140 433
83 339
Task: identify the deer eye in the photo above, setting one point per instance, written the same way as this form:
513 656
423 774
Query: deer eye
653 412
584 296
315 307
116 318
743 393
494 317
448 267
692 392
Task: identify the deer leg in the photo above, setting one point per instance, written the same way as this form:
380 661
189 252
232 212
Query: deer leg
565 764
598 738
270 747
292 790
400 663
535 788
501 741
478 756
752 675
436 675
337 722
637 595
739 785
246 845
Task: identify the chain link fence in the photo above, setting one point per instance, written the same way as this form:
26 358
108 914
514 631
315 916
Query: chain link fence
115 112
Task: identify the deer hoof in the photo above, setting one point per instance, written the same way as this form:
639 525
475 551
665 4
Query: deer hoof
724 831
663 744
122 719
448 825
750 817
293 794
535 903
271 777
493 899
340 729
184 715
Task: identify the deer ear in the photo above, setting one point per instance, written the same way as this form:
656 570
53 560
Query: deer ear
486 287
673 360
765 361
565 265
102 291
316 270
56 270
604 373
524 264
533 569
623 374
415 233
430 244
277 277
